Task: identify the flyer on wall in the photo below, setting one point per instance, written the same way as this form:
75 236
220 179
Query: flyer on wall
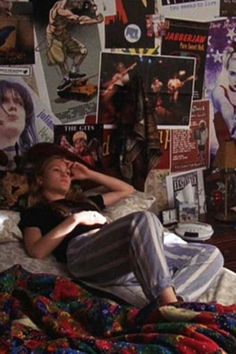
188 38
190 148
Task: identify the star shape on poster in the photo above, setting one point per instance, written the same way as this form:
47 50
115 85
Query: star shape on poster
217 56
231 34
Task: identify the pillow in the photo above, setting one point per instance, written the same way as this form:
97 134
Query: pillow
138 201
14 187
9 230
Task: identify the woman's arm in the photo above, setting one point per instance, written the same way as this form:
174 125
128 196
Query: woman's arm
118 189
38 246
222 105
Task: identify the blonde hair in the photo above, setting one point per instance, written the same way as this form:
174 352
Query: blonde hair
36 193
79 135
36 196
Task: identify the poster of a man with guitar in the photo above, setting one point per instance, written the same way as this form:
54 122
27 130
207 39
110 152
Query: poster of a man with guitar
116 91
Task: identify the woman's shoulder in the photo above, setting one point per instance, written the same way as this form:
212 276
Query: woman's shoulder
39 207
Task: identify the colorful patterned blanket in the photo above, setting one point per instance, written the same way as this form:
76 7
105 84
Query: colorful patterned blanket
44 313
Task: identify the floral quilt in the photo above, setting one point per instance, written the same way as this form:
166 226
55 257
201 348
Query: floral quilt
45 313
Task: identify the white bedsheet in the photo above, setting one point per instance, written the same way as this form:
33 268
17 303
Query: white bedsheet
222 291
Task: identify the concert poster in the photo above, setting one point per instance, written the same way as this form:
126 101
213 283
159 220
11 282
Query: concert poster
189 39
160 82
228 8
127 28
190 148
17 35
85 141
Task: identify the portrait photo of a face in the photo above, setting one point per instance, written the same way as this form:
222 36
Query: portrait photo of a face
16 115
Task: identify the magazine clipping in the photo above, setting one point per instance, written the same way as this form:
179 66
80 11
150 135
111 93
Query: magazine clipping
188 188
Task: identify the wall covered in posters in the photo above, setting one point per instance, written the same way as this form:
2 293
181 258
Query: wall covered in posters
150 76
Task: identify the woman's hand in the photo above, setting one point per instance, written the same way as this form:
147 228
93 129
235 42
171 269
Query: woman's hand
78 170
89 218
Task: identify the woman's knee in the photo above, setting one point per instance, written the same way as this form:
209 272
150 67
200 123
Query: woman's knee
148 223
217 256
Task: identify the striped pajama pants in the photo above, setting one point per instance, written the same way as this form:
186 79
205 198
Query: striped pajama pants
129 259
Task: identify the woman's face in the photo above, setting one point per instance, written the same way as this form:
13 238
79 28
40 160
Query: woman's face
232 73
56 179
12 115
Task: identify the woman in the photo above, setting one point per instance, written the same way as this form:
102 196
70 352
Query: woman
17 123
100 253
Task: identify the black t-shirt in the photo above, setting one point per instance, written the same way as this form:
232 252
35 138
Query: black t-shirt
46 216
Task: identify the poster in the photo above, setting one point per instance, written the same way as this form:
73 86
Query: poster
69 54
16 34
188 38
127 29
25 120
161 81
220 85
186 187
83 140
206 10
190 148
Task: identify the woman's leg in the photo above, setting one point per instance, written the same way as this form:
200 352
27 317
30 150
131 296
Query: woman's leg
194 266
133 243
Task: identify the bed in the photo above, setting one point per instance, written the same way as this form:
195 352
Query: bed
43 311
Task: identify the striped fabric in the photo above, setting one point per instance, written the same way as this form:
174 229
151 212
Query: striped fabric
128 259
